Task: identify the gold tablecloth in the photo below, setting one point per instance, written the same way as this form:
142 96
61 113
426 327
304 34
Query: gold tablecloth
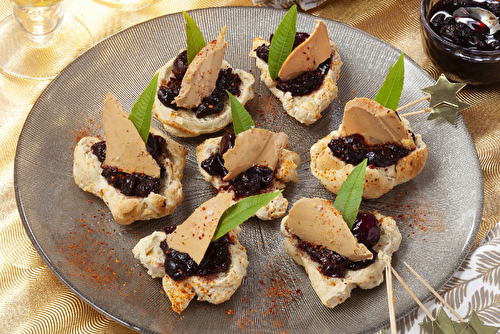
33 300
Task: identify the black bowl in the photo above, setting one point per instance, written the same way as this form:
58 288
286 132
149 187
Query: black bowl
456 62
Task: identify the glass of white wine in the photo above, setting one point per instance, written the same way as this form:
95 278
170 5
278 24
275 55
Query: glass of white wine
40 39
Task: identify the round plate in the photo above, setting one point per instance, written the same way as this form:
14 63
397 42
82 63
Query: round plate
438 212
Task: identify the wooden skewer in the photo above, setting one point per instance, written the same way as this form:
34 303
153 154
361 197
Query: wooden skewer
423 111
412 294
413 103
435 293
390 298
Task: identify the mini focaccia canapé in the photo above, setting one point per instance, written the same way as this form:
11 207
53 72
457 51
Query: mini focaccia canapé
285 170
215 289
304 108
184 123
89 174
192 100
334 290
211 270
382 126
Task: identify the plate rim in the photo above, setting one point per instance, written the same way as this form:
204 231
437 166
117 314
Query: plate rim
129 30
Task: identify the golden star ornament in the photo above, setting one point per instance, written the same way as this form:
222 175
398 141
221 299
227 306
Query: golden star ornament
443 100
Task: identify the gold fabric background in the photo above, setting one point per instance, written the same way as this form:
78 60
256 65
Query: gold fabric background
33 300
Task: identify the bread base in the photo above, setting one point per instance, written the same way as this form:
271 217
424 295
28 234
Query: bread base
332 172
183 122
305 109
128 209
214 289
333 291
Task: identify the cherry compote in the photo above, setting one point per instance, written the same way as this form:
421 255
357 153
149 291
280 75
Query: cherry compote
251 182
135 184
353 149
365 229
180 265
454 20
304 84
212 104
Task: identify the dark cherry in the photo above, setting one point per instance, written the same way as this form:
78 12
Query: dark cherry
155 145
252 181
449 20
170 229
366 229
128 184
180 265
353 149
214 165
146 187
226 143
180 65
168 91
247 183
99 150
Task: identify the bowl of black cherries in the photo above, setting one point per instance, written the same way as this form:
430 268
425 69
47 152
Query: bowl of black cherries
462 38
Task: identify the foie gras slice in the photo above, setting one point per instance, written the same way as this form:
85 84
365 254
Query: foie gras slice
376 123
201 75
125 148
254 147
195 234
316 220
308 55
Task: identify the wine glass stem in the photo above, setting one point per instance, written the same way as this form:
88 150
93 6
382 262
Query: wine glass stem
39 22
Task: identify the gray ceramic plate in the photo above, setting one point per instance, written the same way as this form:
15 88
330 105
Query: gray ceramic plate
438 212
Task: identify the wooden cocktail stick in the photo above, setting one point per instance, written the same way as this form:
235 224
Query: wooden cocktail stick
413 103
411 293
441 299
425 110
390 298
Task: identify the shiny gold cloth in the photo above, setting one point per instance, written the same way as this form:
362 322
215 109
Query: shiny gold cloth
33 300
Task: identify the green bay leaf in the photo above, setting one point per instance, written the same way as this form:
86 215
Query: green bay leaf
350 194
390 92
242 211
194 37
242 120
141 112
282 42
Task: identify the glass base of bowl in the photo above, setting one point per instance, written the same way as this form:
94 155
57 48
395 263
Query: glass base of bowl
21 56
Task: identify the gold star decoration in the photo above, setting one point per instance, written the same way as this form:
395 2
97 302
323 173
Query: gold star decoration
447 112
443 100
